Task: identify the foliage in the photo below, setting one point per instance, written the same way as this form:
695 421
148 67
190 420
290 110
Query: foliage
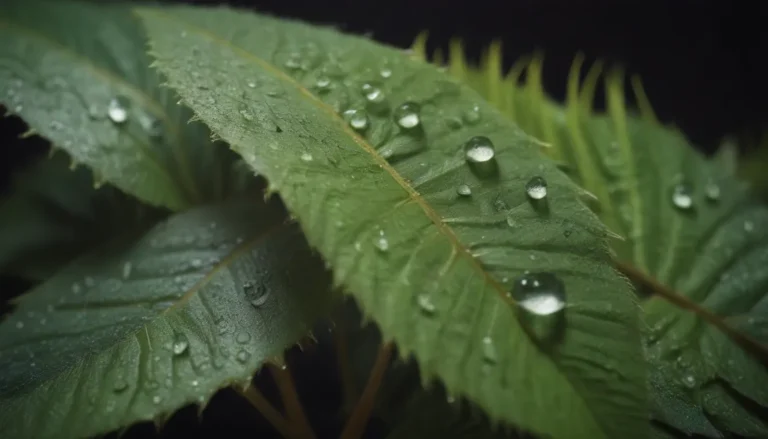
175 279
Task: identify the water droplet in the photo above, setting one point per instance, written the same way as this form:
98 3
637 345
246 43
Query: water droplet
511 221
381 242
536 188
712 191
197 263
247 115
479 149
243 337
251 84
323 83
242 356
450 399
472 116
385 73
357 119
425 303
151 124
19 325
539 293
117 111
682 197
180 344
119 385
294 62
157 399
464 190
89 282
407 115
76 288
195 383
307 157
749 226
256 294
127 268
489 350
690 381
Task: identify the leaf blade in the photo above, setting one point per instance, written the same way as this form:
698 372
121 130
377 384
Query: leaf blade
138 329
279 112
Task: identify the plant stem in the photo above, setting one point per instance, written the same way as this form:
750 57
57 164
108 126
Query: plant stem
684 302
291 402
268 411
359 419
345 371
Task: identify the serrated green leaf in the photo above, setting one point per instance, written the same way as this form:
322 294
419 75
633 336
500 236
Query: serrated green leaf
63 63
142 327
429 265
54 214
713 252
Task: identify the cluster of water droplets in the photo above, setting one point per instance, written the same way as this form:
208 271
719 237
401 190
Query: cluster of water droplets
683 194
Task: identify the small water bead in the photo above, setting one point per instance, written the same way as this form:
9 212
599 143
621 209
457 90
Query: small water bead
690 381
180 344
157 399
407 115
294 62
464 190
196 263
712 191
306 157
472 116
323 83
381 242
539 293
119 385
19 325
479 149
251 84
243 337
357 119
247 115
425 303
117 110
76 288
242 356
536 188
682 196
749 226
489 350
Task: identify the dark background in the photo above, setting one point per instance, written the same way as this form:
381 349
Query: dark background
701 63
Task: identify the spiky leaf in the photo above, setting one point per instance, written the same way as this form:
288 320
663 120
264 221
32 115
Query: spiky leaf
54 214
431 266
154 321
78 74
713 252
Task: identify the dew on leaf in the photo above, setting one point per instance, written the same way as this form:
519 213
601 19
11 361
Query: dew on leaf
323 83
539 293
489 350
196 263
256 294
306 157
119 384
247 115
425 304
242 356
251 84
117 110
157 399
76 288
712 191
464 190
472 116
127 268
243 337
407 115
180 344
749 226
357 119
19 325
536 188
479 149
682 196
385 73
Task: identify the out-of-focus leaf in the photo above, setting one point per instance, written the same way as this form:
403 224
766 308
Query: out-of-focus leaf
430 262
54 214
689 224
78 74
149 323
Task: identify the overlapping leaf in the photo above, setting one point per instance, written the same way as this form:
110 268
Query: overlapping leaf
78 74
139 328
714 251
431 266
54 214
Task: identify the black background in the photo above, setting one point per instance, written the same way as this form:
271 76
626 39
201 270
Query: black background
701 63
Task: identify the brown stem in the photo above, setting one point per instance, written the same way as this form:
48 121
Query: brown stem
291 402
639 277
345 371
359 419
268 411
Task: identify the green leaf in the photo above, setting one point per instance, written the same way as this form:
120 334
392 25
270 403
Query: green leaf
431 267
714 252
148 324
54 214
62 65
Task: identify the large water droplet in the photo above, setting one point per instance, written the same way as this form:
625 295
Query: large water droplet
357 119
256 294
539 293
479 149
712 191
180 344
425 303
536 188
489 350
407 115
464 190
682 196
117 111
